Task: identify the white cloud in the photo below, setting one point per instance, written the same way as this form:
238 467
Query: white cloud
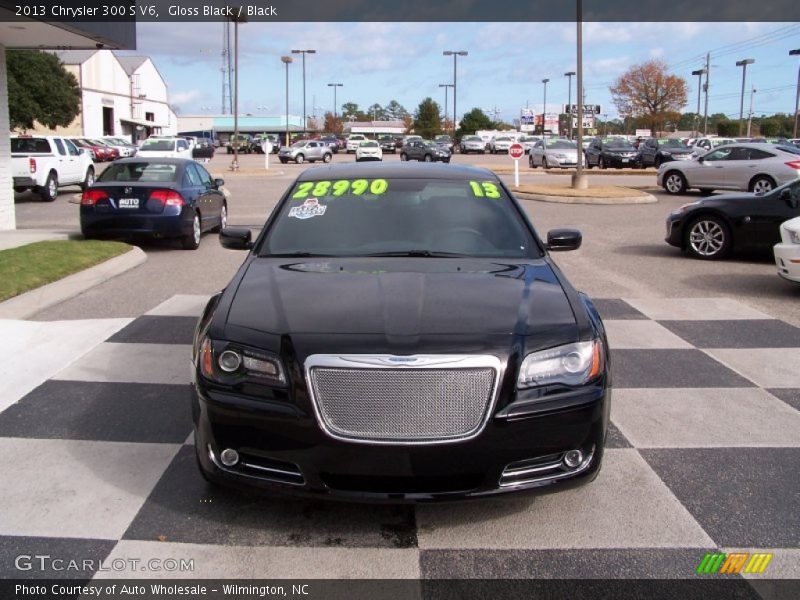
180 98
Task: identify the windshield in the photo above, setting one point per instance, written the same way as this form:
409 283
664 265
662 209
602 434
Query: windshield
158 145
299 144
671 143
561 145
472 138
618 143
369 144
139 171
377 216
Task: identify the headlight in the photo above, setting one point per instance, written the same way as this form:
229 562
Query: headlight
685 207
572 364
235 363
794 236
666 153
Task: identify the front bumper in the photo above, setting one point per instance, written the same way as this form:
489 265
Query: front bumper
283 450
787 259
674 235
617 161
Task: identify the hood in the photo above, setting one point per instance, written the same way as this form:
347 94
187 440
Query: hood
677 150
401 297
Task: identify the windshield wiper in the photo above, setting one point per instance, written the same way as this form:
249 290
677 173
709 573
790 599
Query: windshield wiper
297 255
420 253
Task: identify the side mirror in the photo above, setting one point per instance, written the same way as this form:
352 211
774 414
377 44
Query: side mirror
236 238
563 240
786 196
219 182
701 159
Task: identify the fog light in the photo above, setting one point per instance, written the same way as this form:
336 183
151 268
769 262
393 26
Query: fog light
229 361
573 458
229 457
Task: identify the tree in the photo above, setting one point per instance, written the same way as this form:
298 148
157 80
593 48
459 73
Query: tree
332 124
769 127
473 121
408 124
376 112
648 91
40 89
427 122
728 128
350 109
395 111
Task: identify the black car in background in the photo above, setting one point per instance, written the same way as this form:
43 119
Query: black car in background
155 198
607 152
656 151
400 333
203 148
387 144
424 150
713 227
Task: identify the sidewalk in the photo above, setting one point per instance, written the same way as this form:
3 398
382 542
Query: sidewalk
13 238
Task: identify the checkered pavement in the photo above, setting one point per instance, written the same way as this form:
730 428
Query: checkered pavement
97 462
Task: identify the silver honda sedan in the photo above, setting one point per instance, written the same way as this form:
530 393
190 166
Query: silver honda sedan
758 168
553 153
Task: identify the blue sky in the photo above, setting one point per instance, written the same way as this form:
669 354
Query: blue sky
378 62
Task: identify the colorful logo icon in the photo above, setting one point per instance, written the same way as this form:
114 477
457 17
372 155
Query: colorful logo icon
736 562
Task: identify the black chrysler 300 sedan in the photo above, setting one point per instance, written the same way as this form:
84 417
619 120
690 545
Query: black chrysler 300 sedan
400 333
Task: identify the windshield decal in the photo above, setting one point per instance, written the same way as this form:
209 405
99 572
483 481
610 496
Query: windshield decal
484 188
356 187
309 208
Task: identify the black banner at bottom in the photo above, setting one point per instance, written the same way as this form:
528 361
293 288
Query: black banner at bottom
401 589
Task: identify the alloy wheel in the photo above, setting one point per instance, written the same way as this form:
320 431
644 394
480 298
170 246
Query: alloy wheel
707 238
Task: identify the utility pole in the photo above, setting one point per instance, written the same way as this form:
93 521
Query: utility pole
455 54
705 89
797 97
579 180
335 108
445 86
304 52
750 118
544 105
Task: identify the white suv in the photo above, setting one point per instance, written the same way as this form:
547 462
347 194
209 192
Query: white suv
165 147
354 141
43 163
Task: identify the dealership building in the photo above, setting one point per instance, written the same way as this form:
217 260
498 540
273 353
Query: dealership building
39 35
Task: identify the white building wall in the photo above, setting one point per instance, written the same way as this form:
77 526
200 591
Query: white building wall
156 98
7 219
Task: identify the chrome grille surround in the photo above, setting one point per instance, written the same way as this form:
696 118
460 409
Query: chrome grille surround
417 399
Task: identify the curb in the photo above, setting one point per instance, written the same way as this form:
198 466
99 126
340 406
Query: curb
644 199
29 303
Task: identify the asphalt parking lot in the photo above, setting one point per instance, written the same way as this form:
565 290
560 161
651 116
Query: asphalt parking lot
702 452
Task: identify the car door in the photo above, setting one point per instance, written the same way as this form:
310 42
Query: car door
709 172
737 168
593 153
67 168
649 151
537 152
208 201
193 192
182 149
763 215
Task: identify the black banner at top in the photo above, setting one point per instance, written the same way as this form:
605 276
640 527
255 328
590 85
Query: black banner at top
76 11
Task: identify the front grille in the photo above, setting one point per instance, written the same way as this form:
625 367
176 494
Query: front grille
446 399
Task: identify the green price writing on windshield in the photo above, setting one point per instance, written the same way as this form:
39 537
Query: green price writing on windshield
484 188
357 187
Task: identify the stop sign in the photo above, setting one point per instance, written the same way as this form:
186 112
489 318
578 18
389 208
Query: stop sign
516 151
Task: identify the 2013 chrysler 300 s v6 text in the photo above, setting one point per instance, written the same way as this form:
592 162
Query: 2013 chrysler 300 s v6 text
400 333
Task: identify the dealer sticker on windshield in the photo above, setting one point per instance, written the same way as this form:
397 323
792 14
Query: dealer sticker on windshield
309 208
356 187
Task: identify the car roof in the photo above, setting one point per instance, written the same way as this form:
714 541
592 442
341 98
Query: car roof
393 170
164 160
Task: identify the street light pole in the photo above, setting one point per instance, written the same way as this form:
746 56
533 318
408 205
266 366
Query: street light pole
335 108
743 63
455 54
797 97
579 179
699 73
750 118
304 52
569 75
544 105
236 21
705 89
445 86
287 60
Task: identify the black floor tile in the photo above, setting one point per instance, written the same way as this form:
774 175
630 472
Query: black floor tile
616 309
157 330
671 369
758 333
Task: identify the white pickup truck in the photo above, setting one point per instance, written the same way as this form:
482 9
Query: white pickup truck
45 163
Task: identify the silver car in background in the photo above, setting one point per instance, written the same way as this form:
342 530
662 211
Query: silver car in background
500 144
306 150
472 143
553 153
758 168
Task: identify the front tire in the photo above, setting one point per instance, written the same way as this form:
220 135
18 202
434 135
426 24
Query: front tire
192 241
88 181
708 238
601 163
403 156
300 159
531 164
326 158
762 184
675 183
428 158
223 219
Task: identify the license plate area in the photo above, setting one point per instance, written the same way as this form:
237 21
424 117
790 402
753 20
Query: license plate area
128 203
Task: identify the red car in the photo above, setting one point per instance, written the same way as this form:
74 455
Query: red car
113 153
99 153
